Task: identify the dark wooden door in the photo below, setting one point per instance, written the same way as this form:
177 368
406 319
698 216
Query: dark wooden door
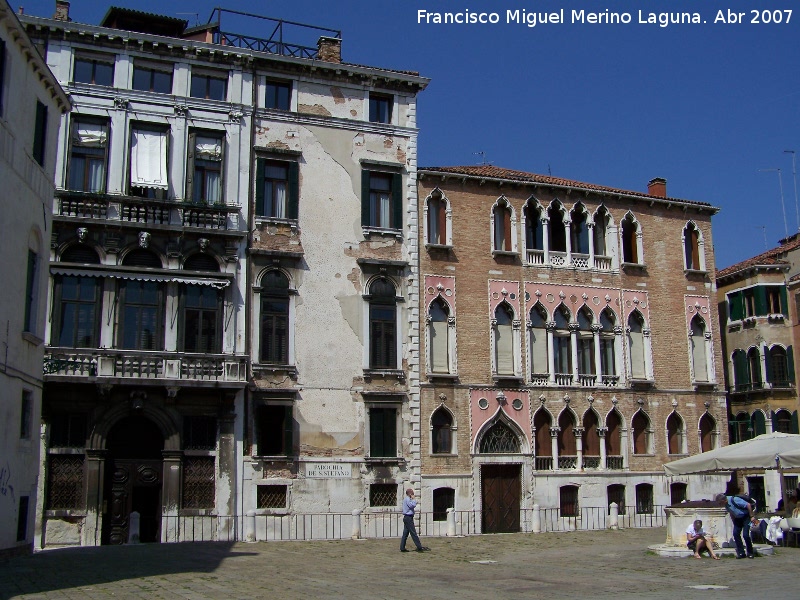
501 488
133 485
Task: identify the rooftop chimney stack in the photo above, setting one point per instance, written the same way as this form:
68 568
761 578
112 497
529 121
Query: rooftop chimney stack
21 10
62 11
329 49
657 187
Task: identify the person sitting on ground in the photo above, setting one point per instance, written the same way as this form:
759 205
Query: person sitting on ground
696 540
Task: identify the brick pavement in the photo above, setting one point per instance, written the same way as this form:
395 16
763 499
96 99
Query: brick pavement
601 564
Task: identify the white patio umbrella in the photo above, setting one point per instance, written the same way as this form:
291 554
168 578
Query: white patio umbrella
768 451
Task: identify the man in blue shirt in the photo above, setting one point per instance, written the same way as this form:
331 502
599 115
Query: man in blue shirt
409 505
741 511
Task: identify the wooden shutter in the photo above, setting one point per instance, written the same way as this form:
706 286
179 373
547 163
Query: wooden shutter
441 221
294 189
390 432
736 300
507 230
784 302
261 165
376 432
365 198
397 201
40 133
288 430
695 241
190 154
790 363
761 300
767 366
634 247
794 428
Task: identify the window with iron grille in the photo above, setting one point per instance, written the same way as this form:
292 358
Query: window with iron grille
199 433
272 496
616 493
64 482
443 498
500 440
568 500
644 499
383 494
198 482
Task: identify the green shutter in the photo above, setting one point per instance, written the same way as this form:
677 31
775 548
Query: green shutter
761 300
794 426
736 301
365 198
39 133
790 363
30 285
759 423
390 432
740 375
288 431
767 365
376 432
784 302
260 169
398 199
294 189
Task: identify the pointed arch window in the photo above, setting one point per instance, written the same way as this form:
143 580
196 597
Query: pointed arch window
562 351
382 325
613 440
591 440
631 250
579 230
676 434
707 427
636 348
642 433
504 339
699 351
534 233
693 259
441 432
608 361
437 220
439 335
601 226
500 439
543 446
586 357
754 367
274 326
567 445
538 340
556 228
502 227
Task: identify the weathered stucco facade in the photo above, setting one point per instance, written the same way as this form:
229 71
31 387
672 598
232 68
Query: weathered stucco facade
31 102
579 348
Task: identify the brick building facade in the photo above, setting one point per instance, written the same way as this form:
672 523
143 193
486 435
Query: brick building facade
570 344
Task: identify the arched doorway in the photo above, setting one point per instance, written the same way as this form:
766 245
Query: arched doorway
133 480
501 484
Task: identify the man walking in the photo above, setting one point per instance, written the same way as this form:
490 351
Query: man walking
409 505
741 511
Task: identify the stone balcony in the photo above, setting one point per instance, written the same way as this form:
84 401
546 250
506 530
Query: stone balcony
121 210
103 365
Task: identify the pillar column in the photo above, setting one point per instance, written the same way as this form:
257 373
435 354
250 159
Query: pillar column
590 229
578 432
170 494
601 433
554 431
598 361
95 502
573 346
546 239
551 364
568 235
227 468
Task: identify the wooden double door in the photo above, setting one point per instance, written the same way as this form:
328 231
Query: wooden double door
133 486
501 489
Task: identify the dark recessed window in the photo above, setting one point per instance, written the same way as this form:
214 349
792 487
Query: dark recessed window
274 430
151 79
26 415
380 108
40 133
382 432
271 496
93 70
279 95
199 433
210 87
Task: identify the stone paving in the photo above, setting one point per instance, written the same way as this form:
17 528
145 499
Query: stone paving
599 564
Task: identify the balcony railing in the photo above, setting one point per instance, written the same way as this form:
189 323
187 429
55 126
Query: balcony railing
602 263
567 462
558 259
535 257
543 463
586 380
563 378
610 380
591 462
614 463
540 379
580 261
131 209
132 364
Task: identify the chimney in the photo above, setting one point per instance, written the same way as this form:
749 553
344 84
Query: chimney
21 10
62 11
329 49
657 187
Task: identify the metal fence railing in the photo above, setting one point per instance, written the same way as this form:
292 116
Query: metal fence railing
374 525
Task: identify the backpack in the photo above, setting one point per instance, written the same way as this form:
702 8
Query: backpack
738 509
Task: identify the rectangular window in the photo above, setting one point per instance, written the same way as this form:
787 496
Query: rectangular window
31 292
204 171
78 318
98 71
773 294
644 499
88 156
616 494
2 72
141 316
202 306
152 78
381 200
271 496
568 497
383 432
149 163
64 482
274 347
380 108
749 298
199 480
68 431
22 519
383 494
277 188
199 433
40 133
279 94
26 415
209 87
275 430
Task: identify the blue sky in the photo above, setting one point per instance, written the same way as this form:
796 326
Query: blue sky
704 106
